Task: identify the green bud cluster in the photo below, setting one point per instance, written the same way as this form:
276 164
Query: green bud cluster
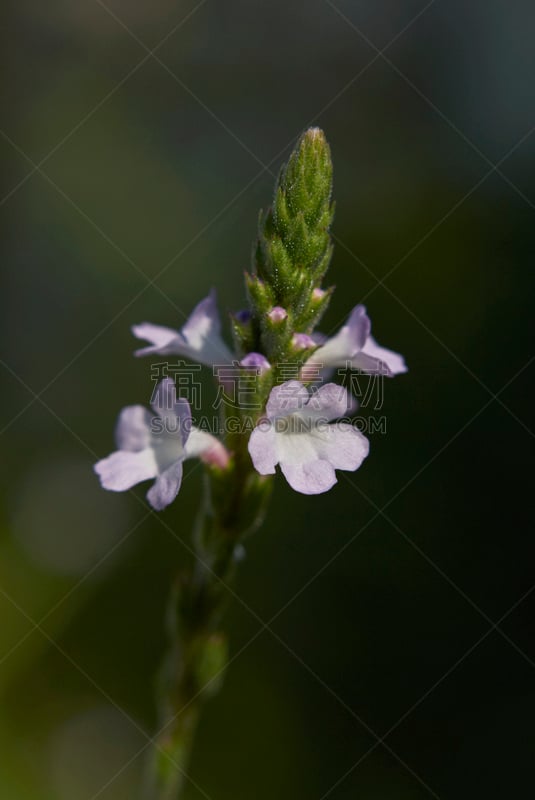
292 252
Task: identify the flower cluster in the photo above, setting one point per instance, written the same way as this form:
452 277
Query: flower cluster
298 426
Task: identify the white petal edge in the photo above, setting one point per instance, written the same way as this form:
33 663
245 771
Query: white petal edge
314 477
346 343
202 333
394 361
286 398
262 448
166 487
174 411
133 430
342 445
162 340
122 470
328 402
199 338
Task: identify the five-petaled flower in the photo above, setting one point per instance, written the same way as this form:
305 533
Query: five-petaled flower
297 433
154 446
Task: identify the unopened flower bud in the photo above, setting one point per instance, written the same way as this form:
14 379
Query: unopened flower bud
278 314
302 341
216 455
256 361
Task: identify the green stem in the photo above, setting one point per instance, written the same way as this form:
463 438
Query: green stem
233 506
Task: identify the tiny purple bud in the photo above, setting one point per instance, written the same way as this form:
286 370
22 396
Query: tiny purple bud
302 341
216 455
277 314
257 361
243 316
318 294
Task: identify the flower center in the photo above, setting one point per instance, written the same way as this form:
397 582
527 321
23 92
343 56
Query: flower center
294 423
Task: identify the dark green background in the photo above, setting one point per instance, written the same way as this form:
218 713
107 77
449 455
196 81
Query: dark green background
394 624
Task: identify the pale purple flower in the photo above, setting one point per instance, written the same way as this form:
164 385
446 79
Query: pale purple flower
354 347
297 435
154 446
199 339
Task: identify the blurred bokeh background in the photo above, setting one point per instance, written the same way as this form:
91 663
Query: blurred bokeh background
138 142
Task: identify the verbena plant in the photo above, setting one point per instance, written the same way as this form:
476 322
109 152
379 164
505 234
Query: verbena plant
278 406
